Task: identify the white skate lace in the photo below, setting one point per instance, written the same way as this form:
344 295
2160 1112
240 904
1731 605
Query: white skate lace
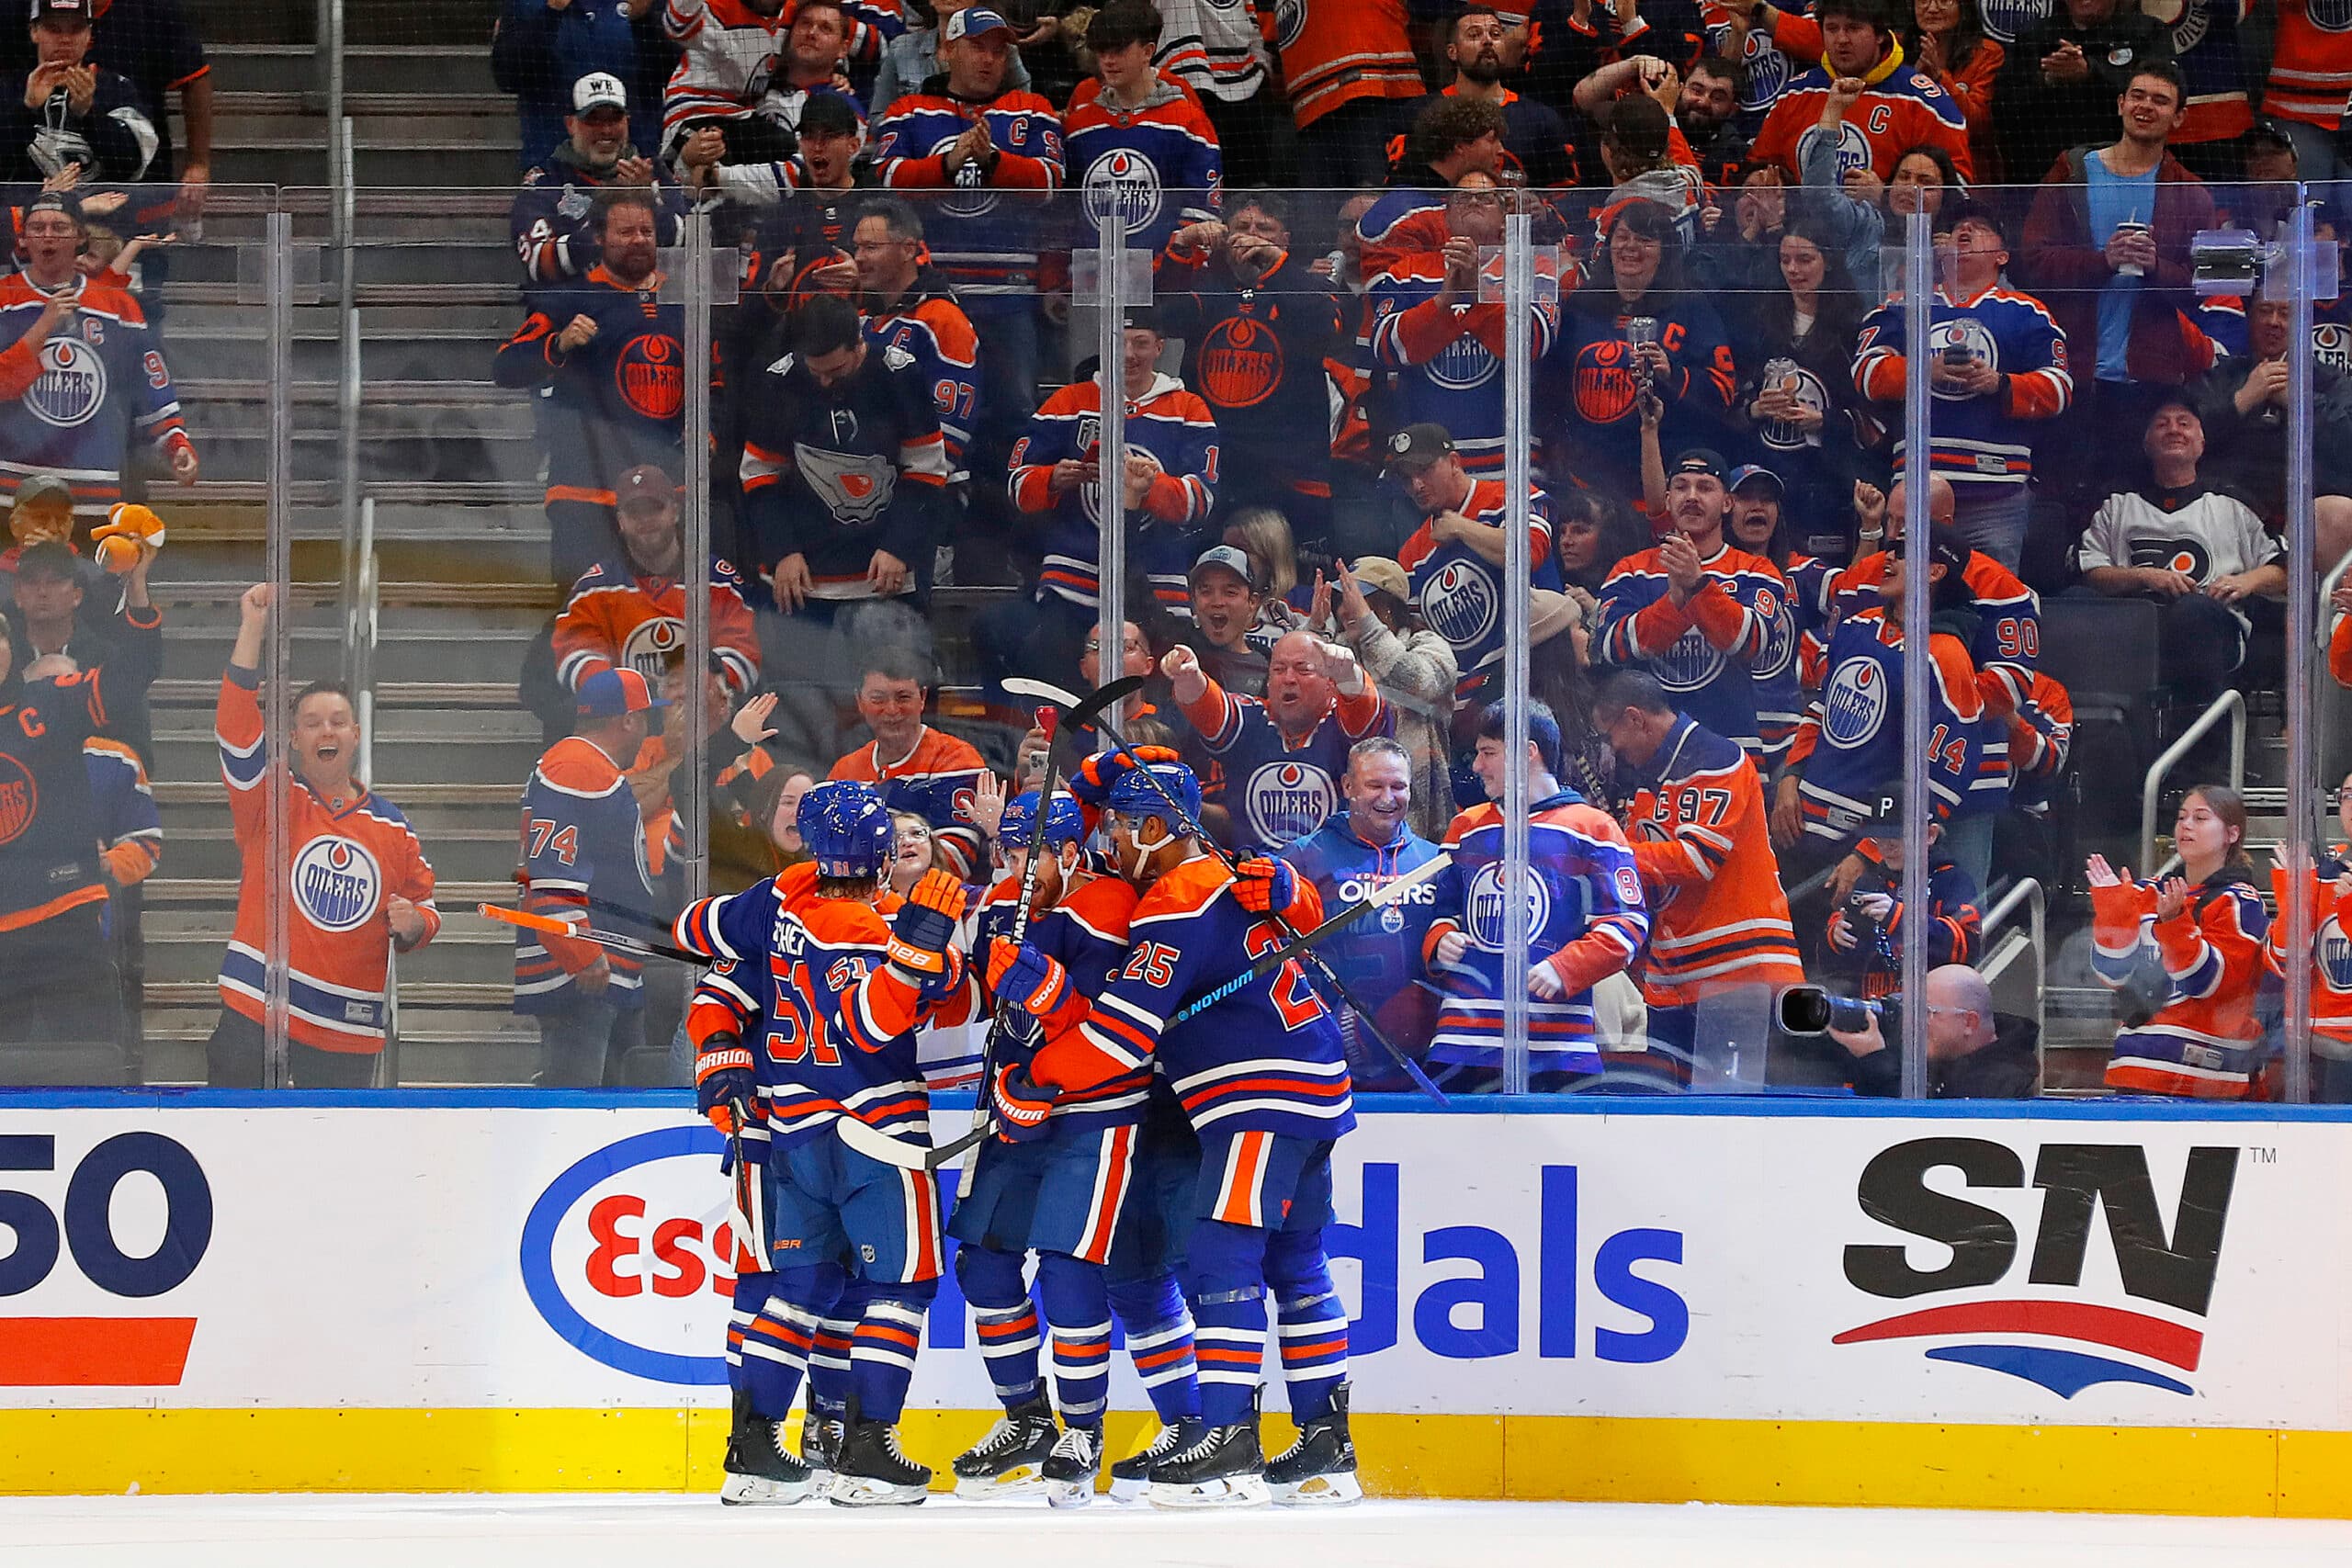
1076 1442
1003 1438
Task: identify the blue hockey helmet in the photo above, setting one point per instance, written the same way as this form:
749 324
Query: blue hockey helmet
1131 794
1065 823
846 828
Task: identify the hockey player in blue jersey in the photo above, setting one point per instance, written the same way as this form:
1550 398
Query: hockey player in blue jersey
1586 919
1263 1079
1061 1189
852 975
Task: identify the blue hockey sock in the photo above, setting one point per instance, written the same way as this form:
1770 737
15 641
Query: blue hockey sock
753 1289
829 1380
1159 1341
1225 1283
882 1354
1005 1319
1308 1320
1078 1308
776 1342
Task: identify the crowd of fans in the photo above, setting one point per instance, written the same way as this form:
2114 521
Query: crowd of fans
905 401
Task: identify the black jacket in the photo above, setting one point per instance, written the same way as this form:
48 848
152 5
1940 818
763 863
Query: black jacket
2036 120
114 141
2008 1068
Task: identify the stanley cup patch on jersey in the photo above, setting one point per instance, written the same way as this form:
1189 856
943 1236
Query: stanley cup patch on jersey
855 488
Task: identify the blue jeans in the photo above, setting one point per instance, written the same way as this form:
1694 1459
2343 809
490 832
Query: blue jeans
1991 518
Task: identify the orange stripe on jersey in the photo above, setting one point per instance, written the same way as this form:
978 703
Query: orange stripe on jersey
1238 1200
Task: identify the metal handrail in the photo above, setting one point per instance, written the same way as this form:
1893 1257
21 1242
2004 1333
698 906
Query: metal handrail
2229 704
347 388
2028 893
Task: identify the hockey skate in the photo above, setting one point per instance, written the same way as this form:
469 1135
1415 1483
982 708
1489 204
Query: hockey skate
758 1469
821 1445
1011 1460
1226 1469
1131 1475
1070 1473
871 1471
1319 1470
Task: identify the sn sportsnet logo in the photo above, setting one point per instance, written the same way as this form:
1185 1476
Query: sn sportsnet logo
2060 1326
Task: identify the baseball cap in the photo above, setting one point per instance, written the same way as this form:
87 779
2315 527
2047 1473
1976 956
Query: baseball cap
1747 471
971 22
1944 544
647 480
598 90
1226 555
828 114
44 486
2271 130
1697 460
608 693
1418 445
1379 574
63 10
54 201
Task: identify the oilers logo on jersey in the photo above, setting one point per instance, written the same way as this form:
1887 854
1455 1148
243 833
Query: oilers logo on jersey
19 798
1853 146
1241 363
1462 365
1689 662
2336 956
1964 332
652 645
1483 913
1287 801
1854 702
1806 388
961 200
72 386
855 487
1124 182
1603 386
1459 603
1768 68
2006 21
2331 345
1290 21
1780 641
336 882
651 377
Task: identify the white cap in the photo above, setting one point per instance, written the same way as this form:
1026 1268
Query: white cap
598 90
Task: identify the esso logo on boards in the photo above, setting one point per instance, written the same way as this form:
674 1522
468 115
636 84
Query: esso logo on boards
627 1256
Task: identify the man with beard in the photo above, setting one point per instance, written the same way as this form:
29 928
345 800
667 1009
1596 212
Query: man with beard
615 356
551 216
1350 858
1281 755
1899 108
1704 110
1536 147
629 612
845 470
1257 328
1700 616
2242 402
907 306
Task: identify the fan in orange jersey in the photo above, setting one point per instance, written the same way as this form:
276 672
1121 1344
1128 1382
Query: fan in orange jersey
1718 921
915 767
360 884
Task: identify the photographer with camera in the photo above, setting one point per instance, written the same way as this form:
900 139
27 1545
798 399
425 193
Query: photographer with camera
1865 935
1972 1053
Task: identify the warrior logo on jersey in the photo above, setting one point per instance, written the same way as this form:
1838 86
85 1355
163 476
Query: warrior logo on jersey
652 645
1123 182
1853 146
2005 22
2186 556
1290 21
19 798
651 376
1604 386
335 883
1287 801
1967 332
1691 662
1484 912
1854 702
1460 603
2331 345
1241 363
72 386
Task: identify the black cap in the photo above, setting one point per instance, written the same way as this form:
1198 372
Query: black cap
1417 446
1697 460
828 114
53 201
1944 544
2272 131
63 11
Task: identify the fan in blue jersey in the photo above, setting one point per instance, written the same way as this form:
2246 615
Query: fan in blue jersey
852 975
1352 857
1063 1187
550 219
1139 142
1711 621
1263 1079
1586 919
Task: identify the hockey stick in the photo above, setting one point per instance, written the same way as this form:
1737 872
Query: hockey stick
745 1202
549 925
1076 712
1388 894
1185 820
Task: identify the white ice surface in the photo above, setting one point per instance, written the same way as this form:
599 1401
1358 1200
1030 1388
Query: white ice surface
652 1531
